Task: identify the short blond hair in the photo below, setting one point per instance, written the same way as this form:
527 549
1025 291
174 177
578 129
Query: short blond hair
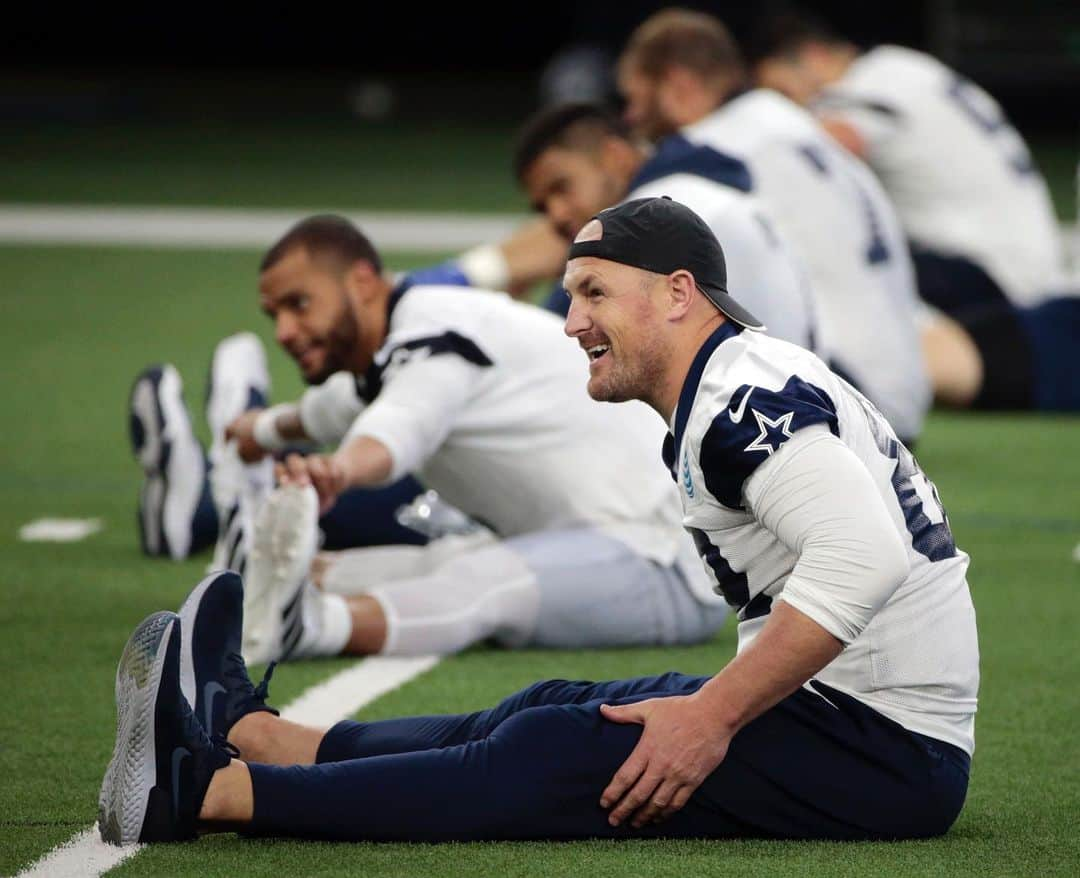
695 40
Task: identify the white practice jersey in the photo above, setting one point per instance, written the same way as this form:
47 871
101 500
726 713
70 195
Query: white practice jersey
960 175
834 213
764 275
485 399
796 489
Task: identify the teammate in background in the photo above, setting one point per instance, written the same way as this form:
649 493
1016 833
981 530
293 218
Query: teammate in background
682 75
986 244
574 160
857 659
484 398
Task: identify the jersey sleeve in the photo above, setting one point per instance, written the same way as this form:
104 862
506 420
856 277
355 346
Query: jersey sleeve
821 502
875 119
419 390
329 409
755 425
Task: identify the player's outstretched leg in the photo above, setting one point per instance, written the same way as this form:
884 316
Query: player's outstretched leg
176 516
163 761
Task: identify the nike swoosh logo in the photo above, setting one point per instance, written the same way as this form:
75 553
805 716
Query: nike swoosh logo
212 688
736 416
178 756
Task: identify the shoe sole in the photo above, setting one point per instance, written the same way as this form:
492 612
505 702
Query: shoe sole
131 774
286 525
171 459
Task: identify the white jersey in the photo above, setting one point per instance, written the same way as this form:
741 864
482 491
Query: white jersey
796 489
764 274
485 398
839 221
960 175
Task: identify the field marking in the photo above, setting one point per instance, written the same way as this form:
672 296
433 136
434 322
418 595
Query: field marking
216 228
59 530
335 699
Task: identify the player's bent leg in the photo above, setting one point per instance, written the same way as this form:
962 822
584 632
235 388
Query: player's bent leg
596 591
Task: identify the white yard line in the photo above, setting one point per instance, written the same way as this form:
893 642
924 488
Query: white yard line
335 699
59 530
226 228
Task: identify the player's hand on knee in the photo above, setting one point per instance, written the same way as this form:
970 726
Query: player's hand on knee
678 749
242 431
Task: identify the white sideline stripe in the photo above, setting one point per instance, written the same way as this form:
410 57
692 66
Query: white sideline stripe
223 228
59 530
335 699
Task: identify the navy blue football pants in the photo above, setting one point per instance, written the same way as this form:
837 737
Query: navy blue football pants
534 767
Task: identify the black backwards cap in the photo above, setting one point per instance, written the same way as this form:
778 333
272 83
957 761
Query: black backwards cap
661 235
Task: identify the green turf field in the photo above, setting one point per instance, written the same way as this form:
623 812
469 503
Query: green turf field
77 323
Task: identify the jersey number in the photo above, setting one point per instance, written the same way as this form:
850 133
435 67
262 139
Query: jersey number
983 110
877 251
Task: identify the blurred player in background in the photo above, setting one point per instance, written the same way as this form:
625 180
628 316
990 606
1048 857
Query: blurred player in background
576 159
682 75
484 397
986 244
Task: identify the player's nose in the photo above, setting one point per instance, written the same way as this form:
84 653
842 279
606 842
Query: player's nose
577 321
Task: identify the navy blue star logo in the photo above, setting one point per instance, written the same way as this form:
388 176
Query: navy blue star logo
773 432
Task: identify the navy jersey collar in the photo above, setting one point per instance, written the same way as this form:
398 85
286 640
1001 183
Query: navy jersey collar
403 286
722 333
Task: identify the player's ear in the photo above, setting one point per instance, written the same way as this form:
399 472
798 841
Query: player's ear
362 281
682 293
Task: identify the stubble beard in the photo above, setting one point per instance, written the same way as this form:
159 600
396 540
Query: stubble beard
342 343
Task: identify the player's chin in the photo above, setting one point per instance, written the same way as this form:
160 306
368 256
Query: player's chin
603 389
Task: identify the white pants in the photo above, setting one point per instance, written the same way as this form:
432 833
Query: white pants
562 589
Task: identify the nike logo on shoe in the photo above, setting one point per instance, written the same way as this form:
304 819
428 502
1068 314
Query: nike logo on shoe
212 688
178 757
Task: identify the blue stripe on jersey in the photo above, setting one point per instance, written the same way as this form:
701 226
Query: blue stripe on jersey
444 274
733 586
690 385
449 342
677 155
755 424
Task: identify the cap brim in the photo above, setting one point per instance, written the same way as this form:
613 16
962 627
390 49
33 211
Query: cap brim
731 309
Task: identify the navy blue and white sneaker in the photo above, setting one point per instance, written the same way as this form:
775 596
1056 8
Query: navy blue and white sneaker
176 516
213 677
163 760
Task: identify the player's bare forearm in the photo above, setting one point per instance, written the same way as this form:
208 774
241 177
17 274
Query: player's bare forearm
361 461
788 651
364 461
534 253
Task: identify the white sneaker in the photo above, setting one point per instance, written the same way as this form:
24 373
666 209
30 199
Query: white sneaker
172 461
277 590
239 380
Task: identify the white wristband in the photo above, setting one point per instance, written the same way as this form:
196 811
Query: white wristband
265 428
485 266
